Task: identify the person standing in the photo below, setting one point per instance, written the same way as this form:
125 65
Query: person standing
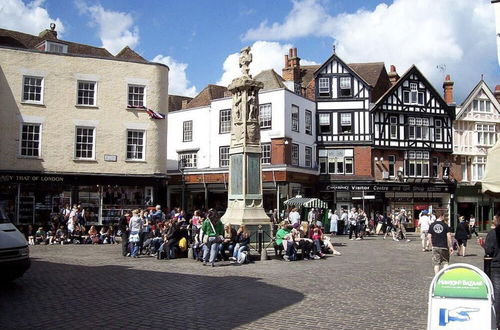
123 227
472 225
294 217
462 233
402 220
424 223
311 217
344 218
492 249
334 219
214 230
135 226
352 223
440 236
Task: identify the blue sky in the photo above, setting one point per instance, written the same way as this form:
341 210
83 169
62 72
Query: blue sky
199 39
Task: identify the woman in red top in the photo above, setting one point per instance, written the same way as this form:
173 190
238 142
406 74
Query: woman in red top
316 234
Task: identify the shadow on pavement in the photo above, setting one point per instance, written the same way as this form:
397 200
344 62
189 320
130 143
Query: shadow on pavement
54 295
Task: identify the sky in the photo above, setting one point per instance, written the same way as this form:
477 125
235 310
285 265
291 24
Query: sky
200 40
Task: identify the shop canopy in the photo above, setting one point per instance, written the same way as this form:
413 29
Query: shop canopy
491 179
306 202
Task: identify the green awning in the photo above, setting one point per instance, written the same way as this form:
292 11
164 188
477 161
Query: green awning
306 202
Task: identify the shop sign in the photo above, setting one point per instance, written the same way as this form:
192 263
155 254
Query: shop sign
461 297
382 188
31 178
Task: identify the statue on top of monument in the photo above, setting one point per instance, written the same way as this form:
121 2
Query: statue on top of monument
245 60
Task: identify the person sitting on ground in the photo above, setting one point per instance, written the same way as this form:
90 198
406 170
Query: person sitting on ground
93 235
61 235
51 234
31 235
243 239
198 245
462 233
76 236
228 242
103 235
316 235
304 243
281 242
214 229
40 236
111 235
171 240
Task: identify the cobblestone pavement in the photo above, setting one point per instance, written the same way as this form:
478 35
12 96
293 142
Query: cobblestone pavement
375 284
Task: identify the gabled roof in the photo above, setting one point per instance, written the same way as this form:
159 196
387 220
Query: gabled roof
413 70
370 72
128 54
481 85
209 93
175 102
270 79
307 73
335 57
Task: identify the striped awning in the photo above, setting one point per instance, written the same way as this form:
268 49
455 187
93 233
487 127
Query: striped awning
306 202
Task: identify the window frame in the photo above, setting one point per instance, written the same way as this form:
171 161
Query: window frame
477 163
51 43
225 122
438 128
393 125
344 165
42 90
308 157
413 96
351 115
295 121
340 89
295 154
93 143
222 161
308 122
39 149
184 131
194 160
144 144
261 117
144 96
392 166
328 86
415 162
78 91
264 158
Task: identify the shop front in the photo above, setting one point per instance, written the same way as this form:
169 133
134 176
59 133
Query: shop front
472 202
388 198
34 198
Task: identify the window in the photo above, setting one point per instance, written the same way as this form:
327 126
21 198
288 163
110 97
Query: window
324 123
308 122
187 160
85 141
481 105
417 164
135 145
478 167
463 166
295 154
392 166
308 158
55 47
345 86
324 87
438 130
336 161
413 96
418 128
346 123
136 96
187 131
393 127
435 167
266 153
225 121
295 118
86 93
33 89
224 156
486 134
30 140
265 115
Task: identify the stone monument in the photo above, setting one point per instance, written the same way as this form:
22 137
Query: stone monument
245 175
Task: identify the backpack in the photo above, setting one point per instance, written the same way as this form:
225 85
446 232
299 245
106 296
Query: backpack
183 244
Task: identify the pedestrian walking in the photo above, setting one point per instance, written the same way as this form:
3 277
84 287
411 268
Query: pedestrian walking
472 225
352 223
334 219
424 223
123 228
135 227
462 233
442 248
390 227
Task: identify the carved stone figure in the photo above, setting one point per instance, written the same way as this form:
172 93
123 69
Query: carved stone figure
245 60
252 106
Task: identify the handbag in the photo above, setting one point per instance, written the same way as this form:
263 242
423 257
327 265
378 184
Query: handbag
134 237
218 239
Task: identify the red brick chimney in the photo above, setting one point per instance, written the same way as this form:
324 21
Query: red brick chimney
393 75
291 71
448 89
497 93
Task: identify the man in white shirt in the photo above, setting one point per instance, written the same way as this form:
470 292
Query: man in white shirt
311 217
424 223
345 221
294 217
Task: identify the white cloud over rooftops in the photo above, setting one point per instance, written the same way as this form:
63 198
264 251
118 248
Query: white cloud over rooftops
458 35
178 82
29 17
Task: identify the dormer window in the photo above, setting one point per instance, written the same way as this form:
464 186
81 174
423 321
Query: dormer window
345 86
481 106
54 47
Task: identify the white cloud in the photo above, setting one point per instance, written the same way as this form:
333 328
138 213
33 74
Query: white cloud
456 33
178 83
116 29
29 17
266 55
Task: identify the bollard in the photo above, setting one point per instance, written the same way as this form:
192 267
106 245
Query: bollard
190 253
263 255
